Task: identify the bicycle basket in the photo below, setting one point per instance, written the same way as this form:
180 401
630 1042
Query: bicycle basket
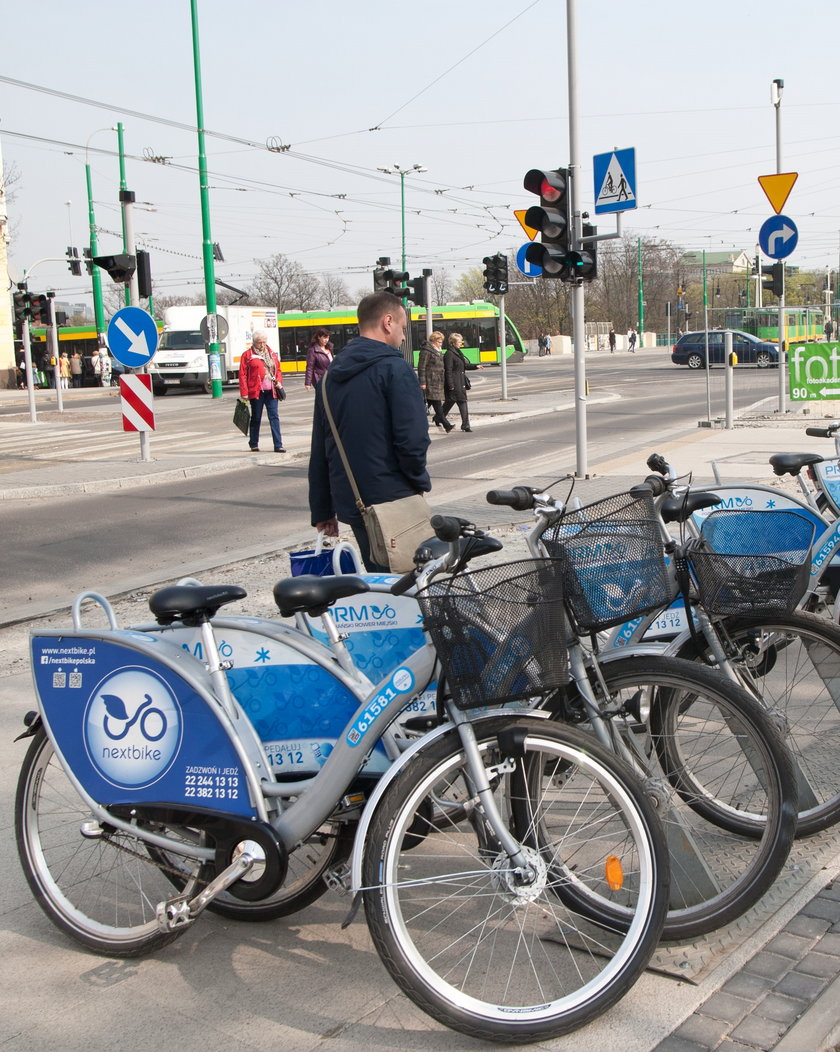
500 631
752 561
613 560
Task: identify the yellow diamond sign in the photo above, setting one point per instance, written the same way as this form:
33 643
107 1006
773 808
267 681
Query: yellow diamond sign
529 230
777 187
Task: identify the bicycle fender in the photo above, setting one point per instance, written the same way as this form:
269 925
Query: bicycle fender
363 828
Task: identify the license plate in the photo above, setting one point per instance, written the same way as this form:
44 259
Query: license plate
172 380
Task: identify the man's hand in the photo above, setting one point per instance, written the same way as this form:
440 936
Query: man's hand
328 528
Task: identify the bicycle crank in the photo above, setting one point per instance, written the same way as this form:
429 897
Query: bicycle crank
180 911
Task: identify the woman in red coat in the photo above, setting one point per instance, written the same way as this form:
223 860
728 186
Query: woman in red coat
260 379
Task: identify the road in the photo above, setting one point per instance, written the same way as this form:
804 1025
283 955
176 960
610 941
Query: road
119 541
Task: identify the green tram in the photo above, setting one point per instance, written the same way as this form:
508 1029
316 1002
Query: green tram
801 323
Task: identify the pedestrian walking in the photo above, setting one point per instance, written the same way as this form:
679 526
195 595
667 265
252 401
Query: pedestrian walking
456 382
547 344
378 410
261 382
102 367
631 338
75 369
431 372
612 341
318 358
64 370
828 329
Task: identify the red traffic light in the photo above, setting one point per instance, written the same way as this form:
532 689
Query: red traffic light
550 185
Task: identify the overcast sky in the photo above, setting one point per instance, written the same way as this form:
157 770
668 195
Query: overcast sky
474 90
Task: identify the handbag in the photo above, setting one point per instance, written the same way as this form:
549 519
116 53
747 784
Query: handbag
395 528
467 384
326 562
280 391
242 416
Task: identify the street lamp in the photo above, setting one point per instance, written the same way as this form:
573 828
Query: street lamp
395 169
95 278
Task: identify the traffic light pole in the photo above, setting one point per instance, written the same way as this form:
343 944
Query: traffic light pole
503 347
578 307
27 343
52 342
776 99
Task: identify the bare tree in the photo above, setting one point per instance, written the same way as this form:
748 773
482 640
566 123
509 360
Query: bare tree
333 291
470 285
278 283
441 286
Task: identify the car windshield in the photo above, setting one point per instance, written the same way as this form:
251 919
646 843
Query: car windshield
177 340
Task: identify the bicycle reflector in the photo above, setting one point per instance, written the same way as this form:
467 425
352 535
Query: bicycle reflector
614 873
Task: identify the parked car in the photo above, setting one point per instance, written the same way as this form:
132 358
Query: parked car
690 349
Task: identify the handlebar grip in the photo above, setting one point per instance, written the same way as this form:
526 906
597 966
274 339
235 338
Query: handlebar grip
447 527
402 586
820 432
520 498
654 484
656 462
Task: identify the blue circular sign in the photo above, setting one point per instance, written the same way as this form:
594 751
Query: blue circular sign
530 270
778 237
133 337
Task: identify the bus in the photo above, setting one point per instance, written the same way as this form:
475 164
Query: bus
801 323
476 322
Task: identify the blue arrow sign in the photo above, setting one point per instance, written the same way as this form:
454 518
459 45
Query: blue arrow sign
615 180
530 270
133 337
778 237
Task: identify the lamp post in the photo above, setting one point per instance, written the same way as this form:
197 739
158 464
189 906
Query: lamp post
95 277
396 169
776 89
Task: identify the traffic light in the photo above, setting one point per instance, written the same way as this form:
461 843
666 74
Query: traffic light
417 292
585 263
73 261
39 310
496 274
88 260
120 267
144 274
776 284
396 283
21 306
552 217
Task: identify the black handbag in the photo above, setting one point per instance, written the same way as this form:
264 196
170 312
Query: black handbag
467 384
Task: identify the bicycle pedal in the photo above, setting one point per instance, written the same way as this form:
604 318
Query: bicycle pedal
174 914
338 878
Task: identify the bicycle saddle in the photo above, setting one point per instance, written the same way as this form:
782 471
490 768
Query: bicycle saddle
192 603
792 463
679 509
312 595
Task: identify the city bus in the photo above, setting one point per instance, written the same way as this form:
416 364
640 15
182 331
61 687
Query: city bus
476 322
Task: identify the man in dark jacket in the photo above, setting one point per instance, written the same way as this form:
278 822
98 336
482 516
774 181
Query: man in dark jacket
379 412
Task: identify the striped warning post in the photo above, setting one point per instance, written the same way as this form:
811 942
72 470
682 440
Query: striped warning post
137 404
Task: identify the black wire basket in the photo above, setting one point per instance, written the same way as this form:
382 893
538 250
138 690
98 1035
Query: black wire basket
752 562
613 560
500 631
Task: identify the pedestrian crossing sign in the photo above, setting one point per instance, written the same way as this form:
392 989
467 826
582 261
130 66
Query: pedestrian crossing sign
615 180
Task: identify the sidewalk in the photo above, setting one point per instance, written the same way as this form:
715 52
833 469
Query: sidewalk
769 981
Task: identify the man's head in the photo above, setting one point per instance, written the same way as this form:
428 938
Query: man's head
382 317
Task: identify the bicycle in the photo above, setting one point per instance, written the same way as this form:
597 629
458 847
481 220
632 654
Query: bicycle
479 843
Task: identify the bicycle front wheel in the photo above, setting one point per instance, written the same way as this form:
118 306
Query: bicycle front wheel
470 941
98 885
723 781
792 663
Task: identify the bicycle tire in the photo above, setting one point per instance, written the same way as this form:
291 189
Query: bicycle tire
729 831
792 663
100 889
481 954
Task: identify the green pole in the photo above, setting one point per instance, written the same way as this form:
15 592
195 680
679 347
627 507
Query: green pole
641 292
95 277
213 360
123 186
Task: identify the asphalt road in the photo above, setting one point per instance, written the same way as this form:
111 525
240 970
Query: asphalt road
117 541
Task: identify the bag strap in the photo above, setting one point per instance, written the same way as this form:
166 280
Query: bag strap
360 504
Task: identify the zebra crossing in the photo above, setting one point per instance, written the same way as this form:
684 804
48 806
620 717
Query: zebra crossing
49 442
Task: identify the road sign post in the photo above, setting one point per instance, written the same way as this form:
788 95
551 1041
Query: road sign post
133 340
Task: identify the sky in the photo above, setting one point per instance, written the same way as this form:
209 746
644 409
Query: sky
303 102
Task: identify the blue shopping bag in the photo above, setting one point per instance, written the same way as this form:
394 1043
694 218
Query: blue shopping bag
326 562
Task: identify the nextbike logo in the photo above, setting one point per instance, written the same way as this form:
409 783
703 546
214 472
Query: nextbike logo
364 616
132 728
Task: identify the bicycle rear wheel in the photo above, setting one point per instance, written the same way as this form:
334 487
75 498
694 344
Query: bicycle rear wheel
480 950
98 885
723 782
792 663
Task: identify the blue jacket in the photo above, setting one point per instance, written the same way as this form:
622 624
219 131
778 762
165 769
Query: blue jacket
379 411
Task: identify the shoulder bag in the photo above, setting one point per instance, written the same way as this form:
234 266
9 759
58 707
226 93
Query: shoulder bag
396 528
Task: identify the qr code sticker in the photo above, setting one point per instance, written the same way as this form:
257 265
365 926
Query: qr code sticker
59 679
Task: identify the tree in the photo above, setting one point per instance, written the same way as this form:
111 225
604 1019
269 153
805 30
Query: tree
470 285
284 284
441 283
333 291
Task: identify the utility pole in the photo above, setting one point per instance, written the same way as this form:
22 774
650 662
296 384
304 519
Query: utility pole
776 89
641 291
578 308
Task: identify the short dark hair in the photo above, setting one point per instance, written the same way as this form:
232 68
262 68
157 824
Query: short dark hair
375 306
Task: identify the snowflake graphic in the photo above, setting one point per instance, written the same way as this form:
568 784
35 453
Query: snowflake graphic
770 504
262 655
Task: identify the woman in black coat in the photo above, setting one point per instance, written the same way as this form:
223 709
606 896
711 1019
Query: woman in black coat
456 383
430 371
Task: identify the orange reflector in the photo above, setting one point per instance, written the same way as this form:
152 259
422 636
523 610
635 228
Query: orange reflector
614 873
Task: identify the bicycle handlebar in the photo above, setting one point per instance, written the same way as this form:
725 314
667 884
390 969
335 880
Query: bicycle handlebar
520 498
822 432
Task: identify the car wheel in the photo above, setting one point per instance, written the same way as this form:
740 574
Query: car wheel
694 361
763 360
159 392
